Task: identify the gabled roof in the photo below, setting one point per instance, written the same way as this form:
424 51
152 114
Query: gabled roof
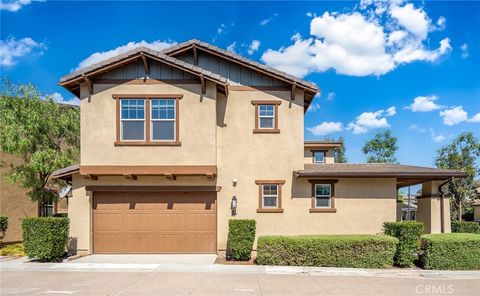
135 54
66 172
184 46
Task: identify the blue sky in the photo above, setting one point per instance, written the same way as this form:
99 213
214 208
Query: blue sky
411 67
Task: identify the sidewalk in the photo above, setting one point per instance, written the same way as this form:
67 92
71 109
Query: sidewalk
96 264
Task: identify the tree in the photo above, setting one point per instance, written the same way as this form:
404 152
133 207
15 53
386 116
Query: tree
339 152
381 148
461 154
44 134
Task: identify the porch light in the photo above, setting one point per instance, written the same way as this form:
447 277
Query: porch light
233 205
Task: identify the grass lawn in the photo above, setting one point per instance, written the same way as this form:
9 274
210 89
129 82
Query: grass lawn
12 250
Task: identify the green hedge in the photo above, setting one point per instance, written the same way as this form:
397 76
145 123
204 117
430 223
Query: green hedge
466 227
360 251
45 238
3 226
450 251
408 234
241 235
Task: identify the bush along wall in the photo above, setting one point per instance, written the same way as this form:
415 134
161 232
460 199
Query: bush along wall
466 227
241 236
450 251
408 234
45 238
3 226
359 251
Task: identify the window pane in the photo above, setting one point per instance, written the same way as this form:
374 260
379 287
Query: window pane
322 189
133 130
270 189
266 110
323 202
163 109
163 130
270 202
319 157
266 122
132 108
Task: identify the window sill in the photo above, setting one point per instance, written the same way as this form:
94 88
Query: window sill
269 210
133 143
325 210
266 131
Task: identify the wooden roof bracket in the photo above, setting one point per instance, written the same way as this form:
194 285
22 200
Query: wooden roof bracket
195 55
204 84
294 88
89 83
210 176
92 177
171 177
145 66
130 177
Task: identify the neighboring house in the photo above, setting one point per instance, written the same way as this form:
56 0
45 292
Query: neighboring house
175 143
16 205
407 210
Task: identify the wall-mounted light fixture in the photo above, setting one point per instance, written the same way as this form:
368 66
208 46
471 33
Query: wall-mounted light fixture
234 182
233 205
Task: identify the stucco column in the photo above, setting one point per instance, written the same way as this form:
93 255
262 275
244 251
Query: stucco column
430 209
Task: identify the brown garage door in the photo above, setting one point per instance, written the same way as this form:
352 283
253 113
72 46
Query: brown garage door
154 223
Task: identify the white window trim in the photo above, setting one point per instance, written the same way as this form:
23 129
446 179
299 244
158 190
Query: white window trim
266 116
174 121
137 120
269 195
321 195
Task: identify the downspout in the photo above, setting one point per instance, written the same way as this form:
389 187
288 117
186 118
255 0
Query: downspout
442 205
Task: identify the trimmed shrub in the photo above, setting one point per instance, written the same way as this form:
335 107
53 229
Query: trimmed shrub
45 238
3 226
408 234
241 235
450 251
466 227
360 251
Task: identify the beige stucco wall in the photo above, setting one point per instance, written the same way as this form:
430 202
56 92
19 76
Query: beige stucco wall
429 208
308 155
476 213
197 127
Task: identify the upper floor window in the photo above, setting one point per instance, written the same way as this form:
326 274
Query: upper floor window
163 119
132 119
147 120
318 156
266 116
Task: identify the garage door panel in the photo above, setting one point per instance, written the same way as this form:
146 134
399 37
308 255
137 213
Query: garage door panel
154 223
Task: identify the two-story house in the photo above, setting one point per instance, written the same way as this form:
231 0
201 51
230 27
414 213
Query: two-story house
175 143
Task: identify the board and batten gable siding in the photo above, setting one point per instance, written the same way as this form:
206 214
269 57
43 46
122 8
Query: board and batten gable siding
136 70
235 73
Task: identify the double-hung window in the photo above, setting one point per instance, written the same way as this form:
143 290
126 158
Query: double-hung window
132 120
323 195
163 119
266 116
270 196
318 156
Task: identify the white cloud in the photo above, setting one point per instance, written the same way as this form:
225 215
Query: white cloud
253 47
313 107
441 23
265 22
326 128
424 104
331 96
465 52
15 5
391 111
311 14
369 120
437 138
12 49
232 46
454 115
475 118
57 97
105 55
417 128
366 41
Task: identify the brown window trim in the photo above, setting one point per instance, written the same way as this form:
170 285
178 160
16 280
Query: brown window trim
257 129
148 141
332 208
324 156
260 184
